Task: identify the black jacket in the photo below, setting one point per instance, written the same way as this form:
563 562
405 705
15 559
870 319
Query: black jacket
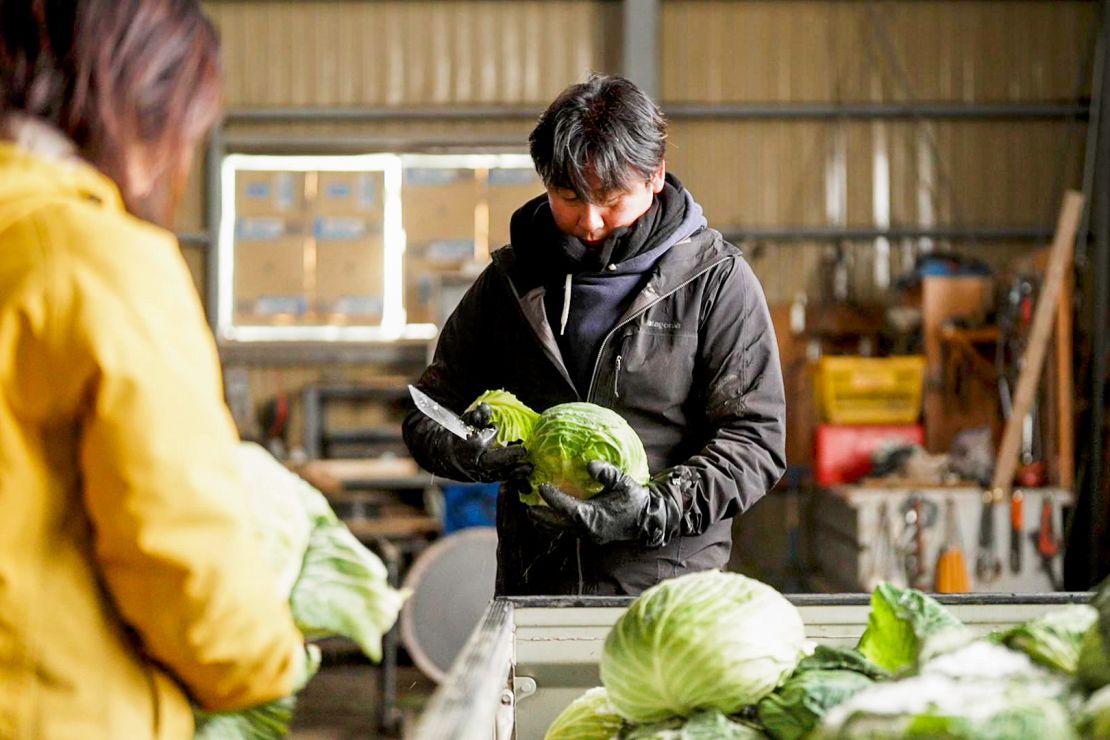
692 366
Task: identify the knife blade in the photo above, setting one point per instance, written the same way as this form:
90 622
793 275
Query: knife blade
446 418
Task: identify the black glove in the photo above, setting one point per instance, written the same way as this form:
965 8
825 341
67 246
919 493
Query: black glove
623 511
476 458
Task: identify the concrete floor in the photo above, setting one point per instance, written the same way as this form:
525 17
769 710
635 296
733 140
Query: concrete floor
343 702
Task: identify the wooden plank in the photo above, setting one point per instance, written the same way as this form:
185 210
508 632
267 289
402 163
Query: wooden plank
1033 357
393 526
1065 385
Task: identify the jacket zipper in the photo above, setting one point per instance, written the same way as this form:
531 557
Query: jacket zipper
629 319
578 562
616 379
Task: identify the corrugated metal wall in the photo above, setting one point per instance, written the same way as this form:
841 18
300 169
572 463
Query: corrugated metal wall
812 173
766 173
409 53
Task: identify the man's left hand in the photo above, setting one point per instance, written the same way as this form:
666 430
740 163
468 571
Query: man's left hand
623 511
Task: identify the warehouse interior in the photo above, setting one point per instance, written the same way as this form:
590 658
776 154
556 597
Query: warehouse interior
922 187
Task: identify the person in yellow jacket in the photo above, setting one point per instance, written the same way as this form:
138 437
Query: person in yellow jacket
131 583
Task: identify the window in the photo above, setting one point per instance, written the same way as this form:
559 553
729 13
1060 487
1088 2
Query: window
371 247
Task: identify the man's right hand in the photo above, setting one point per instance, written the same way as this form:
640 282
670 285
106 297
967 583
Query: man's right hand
476 458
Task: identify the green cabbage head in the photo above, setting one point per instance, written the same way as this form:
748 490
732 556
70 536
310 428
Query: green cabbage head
514 420
1054 639
707 640
569 436
589 717
1094 651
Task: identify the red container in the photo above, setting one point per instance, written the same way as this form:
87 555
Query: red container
844 452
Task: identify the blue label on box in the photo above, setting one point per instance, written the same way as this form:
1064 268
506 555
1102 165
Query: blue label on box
450 250
257 190
337 190
338 228
418 176
280 304
513 176
367 191
259 228
285 190
357 305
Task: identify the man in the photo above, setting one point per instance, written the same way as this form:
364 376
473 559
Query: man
614 291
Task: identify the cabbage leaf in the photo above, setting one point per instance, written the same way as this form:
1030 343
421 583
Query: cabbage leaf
589 717
982 690
513 419
898 624
1094 652
706 724
795 708
1054 640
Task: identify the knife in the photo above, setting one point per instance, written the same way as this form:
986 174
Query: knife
446 418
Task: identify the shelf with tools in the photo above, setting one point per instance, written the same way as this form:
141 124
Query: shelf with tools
878 531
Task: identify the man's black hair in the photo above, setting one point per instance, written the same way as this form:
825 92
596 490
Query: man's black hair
606 127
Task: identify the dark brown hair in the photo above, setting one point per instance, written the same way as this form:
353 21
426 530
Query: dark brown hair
134 84
606 127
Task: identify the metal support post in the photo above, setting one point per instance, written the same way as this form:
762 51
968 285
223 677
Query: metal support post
640 62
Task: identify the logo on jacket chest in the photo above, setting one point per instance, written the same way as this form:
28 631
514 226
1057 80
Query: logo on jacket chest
666 325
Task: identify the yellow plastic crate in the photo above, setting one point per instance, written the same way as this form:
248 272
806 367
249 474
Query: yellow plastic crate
871 390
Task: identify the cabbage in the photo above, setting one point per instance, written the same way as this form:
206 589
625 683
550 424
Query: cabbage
1094 719
344 590
899 622
1094 652
1053 640
589 717
335 586
706 640
278 501
706 724
982 690
513 419
568 437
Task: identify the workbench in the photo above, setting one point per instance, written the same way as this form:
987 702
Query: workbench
852 547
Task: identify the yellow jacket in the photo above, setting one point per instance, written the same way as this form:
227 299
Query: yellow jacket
129 577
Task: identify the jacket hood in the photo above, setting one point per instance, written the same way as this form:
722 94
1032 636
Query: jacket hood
542 251
29 180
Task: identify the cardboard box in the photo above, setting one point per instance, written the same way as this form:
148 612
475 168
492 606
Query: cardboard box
355 194
269 268
508 190
350 278
421 290
268 193
439 204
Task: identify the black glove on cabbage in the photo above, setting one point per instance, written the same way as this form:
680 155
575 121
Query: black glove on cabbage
623 511
476 458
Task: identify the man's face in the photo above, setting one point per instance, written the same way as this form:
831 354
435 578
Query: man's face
592 223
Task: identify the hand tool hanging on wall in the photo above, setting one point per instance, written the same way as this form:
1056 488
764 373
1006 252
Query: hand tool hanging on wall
987 565
951 571
1017 523
1048 544
1032 361
883 555
918 514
